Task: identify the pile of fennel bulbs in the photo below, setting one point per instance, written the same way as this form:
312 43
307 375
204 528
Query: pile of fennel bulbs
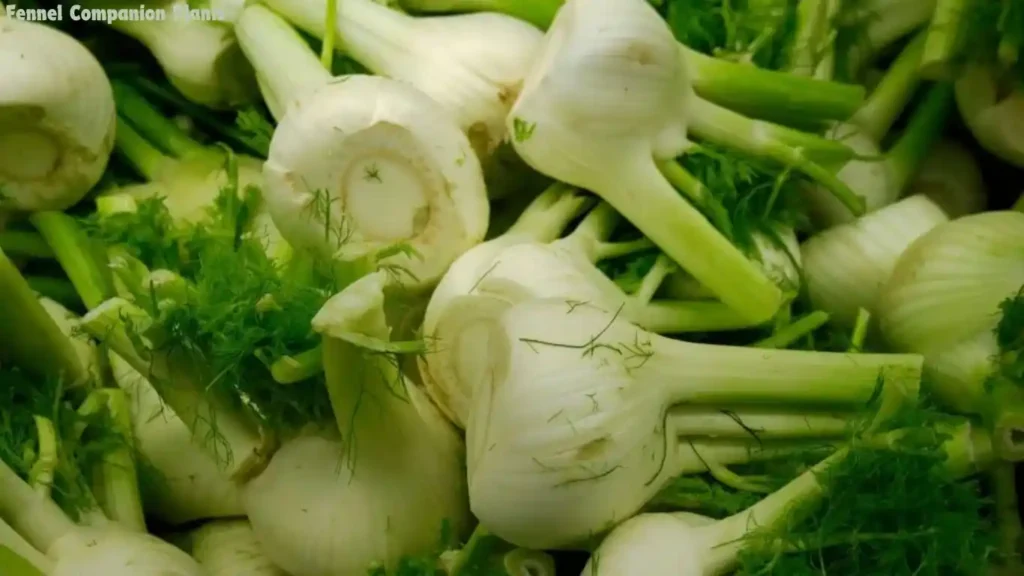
513 287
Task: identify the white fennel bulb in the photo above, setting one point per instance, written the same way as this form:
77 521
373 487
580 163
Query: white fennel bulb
330 505
845 267
472 64
191 485
100 550
951 177
572 427
229 548
543 220
56 115
687 544
611 93
200 58
564 269
993 112
881 177
954 297
361 163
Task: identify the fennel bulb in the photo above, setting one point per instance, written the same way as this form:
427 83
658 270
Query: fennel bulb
572 427
330 505
687 544
56 117
472 64
951 177
880 178
609 94
191 485
229 548
103 549
543 220
846 266
329 502
361 163
943 300
564 269
994 112
200 57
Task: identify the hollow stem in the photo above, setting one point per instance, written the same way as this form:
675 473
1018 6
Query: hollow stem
924 129
36 518
78 256
754 423
767 94
152 124
943 38
119 486
462 558
790 333
29 337
788 147
298 367
892 94
285 65
21 244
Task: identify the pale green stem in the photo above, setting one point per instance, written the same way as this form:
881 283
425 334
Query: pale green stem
943 38
17 556
651 282
791 148
78 256
21 244
860 331
286 66
608 250
768 94
29 337
119 487
540 13
298 367
698 194
152 124
37 519
146 159
754 423
550 213
924 129
812 46
327 49
41 475
892 94
787 335
465 554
